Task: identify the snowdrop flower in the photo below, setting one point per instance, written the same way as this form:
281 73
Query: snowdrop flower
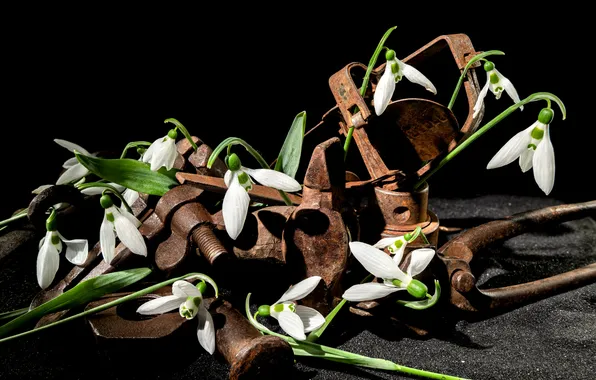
397 245
395 70
96 190
188 299
50 246
296 320
496 83
162 152
126 226
382 266
534 149
238 180
74 169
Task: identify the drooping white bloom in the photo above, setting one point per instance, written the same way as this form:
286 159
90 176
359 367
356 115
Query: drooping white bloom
238 180
189 301
48 258
534 149
119 222
162 152
96 190
397 245
297 320
382 266
395 70
74 169
496 83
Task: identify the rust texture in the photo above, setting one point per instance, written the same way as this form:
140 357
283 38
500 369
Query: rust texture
315 237
459 252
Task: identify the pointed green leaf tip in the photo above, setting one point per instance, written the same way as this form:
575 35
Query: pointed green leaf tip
79 295
132 174
288 160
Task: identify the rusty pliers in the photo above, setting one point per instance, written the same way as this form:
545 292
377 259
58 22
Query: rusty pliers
458 253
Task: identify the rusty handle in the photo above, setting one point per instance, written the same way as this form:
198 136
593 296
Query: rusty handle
249 353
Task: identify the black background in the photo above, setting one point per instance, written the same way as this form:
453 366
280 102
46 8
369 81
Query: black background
104 77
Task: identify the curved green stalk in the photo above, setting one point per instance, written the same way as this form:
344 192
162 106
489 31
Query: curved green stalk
109 187
238 141
115 303
547 96
366 80
133 144
184 131
10 315
19 215
308 349
475 59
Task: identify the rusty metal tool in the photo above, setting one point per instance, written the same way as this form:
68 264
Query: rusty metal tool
250 354
457 254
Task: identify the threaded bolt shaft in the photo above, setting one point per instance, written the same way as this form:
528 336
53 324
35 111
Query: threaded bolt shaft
208 243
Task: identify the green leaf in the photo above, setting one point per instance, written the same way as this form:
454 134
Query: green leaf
132 174
424 304
79 295
289 155
13 314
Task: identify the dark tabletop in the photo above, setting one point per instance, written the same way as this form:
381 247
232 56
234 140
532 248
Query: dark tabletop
550 339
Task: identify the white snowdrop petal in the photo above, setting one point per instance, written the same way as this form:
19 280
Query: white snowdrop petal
71 146
228 177
525 159
311 319
70 162
148 155
369 291
129 234
160 305
48 261
300 290
107 240
415 76
508 87
399 254
376 261
274 179
235 208
291 324
480 100
544 164
385 242
419 260
512 149
206 330
185 289
384 90
74 173
130 196
77 250
131 218
170 153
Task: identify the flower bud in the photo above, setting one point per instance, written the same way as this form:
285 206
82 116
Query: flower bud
390 55
234 162
202 286
488 66
546 115
264 310
106 201
173 134
417 289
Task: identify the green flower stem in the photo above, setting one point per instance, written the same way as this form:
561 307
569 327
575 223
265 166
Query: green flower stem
238 141
184 131
365 81
115 303
109 187
424 239
19 215
10 315
314 335
309 349
475 59
547 96
133 144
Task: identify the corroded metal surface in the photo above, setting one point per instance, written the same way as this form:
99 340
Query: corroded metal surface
457 254
315 237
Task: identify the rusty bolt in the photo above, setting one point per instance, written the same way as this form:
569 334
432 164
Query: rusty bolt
208 243
462 281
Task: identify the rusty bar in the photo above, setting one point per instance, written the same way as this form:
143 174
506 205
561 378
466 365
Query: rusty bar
217 185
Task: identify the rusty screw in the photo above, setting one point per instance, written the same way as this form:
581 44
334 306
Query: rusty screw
208 243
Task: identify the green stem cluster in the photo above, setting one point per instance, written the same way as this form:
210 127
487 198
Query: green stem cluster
109 188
